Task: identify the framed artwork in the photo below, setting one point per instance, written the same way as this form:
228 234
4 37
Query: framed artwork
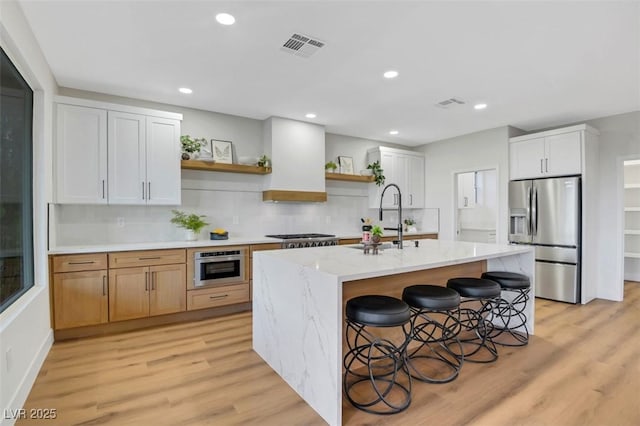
206 153
346 165
222 151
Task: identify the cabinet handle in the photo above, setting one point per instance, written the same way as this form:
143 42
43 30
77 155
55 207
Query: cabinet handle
219 297
104 285
143 189
149 258
149 190
541 171
410 199
466 201
146 281
153 281
103 189
87 262
546 164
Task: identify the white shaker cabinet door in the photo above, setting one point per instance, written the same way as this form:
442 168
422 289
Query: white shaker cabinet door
81 155
127 158
163 161
415 183
563 154
526 159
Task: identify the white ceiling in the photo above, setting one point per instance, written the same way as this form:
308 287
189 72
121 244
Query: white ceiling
536 64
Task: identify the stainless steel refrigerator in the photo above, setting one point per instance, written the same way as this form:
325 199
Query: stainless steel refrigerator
546 213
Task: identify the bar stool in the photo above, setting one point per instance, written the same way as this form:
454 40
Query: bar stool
479 297
375 378
510 327
435 324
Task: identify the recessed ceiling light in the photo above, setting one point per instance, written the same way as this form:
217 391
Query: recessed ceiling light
225 19
310 115
480 106
390 74
393 132
185 90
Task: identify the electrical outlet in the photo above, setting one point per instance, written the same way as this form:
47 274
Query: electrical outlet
120 222
8 359
236 220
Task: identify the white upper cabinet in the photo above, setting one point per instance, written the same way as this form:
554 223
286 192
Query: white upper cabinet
81 155
127 158
405 169
116 154
163 171
553 153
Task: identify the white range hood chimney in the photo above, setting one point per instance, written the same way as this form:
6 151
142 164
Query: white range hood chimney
297 157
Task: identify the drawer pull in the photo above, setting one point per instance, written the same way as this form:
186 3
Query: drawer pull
149 258
104 285
219 297
87 262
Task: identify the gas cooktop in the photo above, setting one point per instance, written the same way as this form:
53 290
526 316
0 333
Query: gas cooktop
299 236
305 240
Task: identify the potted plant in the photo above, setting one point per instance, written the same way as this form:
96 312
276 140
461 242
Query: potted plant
191 222
408 223
377 172
264 161
330 167
191 146
376 233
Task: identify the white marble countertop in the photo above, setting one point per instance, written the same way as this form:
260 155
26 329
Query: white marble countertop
232 241
349 263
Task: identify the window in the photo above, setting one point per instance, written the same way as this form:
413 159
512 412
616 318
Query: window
16 212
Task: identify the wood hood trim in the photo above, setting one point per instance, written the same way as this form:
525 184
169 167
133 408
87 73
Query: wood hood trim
279 195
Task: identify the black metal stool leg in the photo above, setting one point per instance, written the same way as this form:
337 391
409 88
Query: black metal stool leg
510 317
376 364
477 323
434 338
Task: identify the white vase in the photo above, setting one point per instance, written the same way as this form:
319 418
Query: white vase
189 235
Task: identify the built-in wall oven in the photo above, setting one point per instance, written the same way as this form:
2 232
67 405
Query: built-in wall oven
219 267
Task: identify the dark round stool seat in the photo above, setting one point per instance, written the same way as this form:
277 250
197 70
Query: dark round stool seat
378 311
474 287
431 297
508 279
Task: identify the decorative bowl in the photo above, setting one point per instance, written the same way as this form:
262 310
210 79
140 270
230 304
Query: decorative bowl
214 236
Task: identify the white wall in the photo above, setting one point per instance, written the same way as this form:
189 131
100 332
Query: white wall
25 331
477 151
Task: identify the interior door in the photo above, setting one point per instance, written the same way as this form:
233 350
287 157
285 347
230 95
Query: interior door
556 211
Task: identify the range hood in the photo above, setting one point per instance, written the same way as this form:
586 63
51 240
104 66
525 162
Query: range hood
297 155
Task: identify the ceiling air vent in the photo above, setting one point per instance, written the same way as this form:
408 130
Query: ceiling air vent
302 45
450 102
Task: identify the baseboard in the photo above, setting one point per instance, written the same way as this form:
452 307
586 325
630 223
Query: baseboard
20 396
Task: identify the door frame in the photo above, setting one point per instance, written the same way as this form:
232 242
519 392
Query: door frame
454 201
619 226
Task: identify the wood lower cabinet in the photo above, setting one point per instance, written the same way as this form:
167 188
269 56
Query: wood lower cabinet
217 296
80 298
146 291
168 289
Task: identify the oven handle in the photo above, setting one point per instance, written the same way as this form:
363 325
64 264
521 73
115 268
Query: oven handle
215 259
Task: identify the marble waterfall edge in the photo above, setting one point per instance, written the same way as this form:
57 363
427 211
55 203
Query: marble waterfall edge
296 333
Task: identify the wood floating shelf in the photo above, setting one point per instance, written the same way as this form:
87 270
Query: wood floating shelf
222 167
349 178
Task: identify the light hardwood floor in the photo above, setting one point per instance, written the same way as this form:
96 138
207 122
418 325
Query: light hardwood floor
581 368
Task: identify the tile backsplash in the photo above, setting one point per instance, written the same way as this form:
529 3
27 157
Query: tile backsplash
234 204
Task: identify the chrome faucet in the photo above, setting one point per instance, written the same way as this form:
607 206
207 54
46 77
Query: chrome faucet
399 228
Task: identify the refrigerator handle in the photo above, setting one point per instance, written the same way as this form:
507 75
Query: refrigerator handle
534 211
529 219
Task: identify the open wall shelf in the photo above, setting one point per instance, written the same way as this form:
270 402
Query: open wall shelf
348 178
221 167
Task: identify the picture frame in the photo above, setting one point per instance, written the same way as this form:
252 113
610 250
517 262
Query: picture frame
206 152
346 165
222 151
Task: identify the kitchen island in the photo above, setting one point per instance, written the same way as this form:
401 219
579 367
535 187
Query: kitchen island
299 297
